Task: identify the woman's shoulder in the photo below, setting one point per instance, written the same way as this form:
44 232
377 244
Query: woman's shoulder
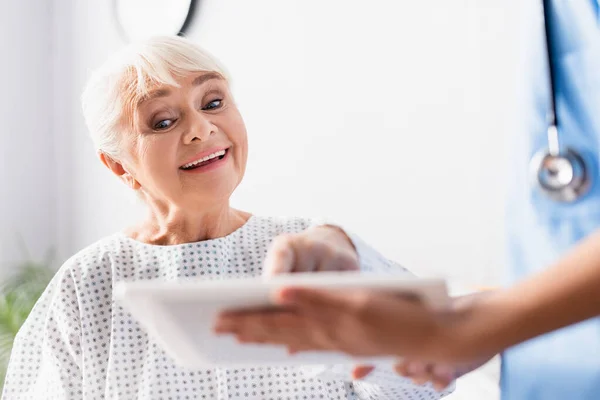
79 288
98 258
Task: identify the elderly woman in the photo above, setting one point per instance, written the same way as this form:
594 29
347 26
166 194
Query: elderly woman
164 121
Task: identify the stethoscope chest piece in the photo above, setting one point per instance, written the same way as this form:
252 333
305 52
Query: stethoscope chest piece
560 173
563 176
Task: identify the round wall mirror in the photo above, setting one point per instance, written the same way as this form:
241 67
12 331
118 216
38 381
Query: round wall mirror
139 19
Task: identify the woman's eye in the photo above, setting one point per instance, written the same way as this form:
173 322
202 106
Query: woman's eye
213 105
164 124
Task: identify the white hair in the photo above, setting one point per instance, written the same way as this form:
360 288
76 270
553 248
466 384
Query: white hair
114 89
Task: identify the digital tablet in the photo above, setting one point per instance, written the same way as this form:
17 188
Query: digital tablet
180 315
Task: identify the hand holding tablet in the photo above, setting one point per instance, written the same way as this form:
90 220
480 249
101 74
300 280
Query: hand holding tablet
180 316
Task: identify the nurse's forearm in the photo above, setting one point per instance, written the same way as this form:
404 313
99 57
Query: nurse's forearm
563 295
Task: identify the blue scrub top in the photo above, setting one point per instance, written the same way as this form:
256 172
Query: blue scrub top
566 364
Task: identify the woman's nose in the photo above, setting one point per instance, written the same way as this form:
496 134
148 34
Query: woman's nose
200 128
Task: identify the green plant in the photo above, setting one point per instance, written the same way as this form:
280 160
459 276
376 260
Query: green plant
18 294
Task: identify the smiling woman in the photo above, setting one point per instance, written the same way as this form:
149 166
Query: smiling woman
164 121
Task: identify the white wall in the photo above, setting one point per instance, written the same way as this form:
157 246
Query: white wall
388 116
27 198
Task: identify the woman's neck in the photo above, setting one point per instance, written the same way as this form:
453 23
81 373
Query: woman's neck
170 227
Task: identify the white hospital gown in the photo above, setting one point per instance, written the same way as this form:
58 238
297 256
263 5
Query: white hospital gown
79 344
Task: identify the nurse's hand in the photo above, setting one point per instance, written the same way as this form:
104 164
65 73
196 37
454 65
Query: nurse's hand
441 375
359 323
320 248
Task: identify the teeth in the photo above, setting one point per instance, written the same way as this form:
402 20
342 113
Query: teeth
209 157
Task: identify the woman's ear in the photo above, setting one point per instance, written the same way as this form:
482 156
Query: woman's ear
118 169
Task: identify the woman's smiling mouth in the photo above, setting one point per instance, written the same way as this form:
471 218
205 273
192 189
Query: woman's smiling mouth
212 159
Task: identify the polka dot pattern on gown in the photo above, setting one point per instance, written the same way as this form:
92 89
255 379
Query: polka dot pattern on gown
79 344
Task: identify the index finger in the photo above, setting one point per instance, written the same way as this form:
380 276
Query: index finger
280 257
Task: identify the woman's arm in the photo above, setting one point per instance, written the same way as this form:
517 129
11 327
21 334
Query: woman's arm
326 247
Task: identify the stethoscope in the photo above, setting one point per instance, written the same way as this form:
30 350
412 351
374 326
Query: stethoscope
561 174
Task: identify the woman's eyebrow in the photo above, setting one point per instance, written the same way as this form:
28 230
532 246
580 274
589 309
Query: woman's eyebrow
153 95
206 77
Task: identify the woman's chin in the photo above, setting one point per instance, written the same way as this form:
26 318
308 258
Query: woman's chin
210 192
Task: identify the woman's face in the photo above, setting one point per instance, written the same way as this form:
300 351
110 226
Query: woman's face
189 144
